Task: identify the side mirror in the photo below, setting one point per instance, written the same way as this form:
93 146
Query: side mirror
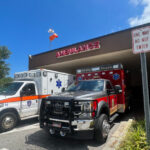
118 88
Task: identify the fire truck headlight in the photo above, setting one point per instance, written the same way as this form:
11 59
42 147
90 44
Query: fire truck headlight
2 105
86 107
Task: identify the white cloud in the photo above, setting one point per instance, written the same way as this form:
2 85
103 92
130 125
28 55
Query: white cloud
135 2
144 17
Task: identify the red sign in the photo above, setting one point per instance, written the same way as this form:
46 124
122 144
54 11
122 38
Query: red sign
141 40
82 48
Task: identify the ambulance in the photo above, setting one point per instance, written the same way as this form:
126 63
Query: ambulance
91 105
21 99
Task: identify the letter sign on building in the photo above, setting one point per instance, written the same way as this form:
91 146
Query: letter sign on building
81 48
141 40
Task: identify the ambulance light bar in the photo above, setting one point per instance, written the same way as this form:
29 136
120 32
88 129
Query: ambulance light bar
100 68
24 75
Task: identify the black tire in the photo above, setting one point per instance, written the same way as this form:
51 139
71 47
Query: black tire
102 128
8 121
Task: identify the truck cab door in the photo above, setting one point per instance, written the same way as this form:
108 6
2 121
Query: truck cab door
29 100
112 97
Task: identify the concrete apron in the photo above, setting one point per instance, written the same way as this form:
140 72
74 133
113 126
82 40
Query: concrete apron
116 138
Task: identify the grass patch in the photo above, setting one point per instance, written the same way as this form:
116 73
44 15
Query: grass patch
135 138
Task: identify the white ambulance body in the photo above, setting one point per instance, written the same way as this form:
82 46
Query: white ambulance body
21 99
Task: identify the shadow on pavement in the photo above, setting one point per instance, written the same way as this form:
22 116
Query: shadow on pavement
27 122
43 140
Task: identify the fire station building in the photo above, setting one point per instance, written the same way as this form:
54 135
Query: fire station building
108 49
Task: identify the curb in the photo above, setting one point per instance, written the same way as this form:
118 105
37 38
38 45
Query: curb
118 135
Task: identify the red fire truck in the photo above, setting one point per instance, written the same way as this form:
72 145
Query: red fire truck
89 105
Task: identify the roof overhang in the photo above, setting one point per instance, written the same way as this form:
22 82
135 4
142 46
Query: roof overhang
126 57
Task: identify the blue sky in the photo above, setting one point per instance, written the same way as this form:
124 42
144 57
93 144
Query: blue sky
24 24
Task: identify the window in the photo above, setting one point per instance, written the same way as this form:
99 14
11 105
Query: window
29 89
109 87
10 88
93 85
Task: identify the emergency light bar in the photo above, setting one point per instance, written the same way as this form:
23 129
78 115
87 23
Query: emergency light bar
29 74
24 75
100 68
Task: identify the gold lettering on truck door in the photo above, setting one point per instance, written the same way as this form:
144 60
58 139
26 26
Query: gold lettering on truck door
113 103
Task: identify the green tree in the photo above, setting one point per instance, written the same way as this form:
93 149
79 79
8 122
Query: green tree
4 67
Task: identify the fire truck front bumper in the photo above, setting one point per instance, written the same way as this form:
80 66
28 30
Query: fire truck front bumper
63 127
83 125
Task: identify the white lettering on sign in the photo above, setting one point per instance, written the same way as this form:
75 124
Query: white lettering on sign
141 40
75 50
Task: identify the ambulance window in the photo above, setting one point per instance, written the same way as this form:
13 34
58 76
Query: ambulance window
109 86
29 89
10 88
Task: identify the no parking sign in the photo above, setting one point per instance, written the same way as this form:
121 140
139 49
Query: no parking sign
141 44
141 40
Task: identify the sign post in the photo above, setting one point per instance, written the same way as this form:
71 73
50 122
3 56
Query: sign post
141 44
145 94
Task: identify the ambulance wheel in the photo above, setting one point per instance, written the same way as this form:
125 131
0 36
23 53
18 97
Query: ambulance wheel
102 128
8 121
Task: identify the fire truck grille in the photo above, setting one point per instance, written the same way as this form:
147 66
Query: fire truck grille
58 110
64 109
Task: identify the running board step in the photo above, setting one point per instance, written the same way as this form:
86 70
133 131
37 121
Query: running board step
112 118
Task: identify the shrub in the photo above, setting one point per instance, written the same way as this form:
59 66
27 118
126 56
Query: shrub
135 138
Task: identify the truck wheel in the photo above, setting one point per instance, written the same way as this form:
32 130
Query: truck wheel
8 121
46 130
102 128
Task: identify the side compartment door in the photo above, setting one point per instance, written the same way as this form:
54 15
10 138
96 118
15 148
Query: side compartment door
29 100
112 96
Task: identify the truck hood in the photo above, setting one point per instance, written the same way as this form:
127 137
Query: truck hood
2 97
81 95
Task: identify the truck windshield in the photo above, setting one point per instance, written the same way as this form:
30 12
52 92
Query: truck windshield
10 88
96 86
